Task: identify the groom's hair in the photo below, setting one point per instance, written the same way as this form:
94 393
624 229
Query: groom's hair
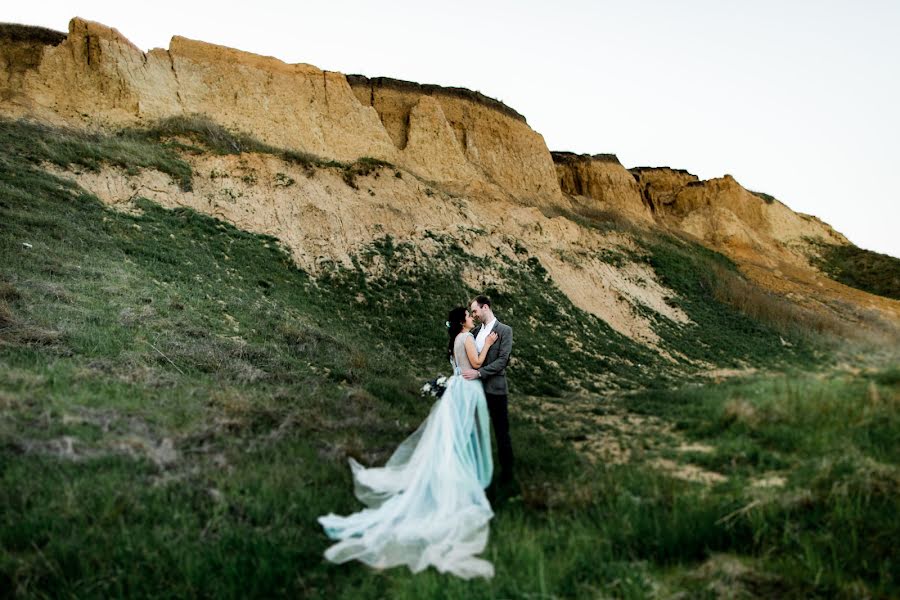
482 301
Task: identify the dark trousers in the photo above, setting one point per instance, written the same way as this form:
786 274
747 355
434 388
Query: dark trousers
498 407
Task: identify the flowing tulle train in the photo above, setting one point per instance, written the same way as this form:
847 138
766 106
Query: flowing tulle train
426 506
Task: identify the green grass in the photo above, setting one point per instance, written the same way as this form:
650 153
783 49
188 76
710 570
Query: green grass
863 269
26 144
767 198
130 336
834 440
724 334
205 135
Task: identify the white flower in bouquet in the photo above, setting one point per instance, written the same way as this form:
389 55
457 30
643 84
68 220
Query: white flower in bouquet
434 388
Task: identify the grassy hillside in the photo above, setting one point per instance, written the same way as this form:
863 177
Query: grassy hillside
177 402
863 269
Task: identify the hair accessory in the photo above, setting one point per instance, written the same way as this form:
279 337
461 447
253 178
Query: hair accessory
447 324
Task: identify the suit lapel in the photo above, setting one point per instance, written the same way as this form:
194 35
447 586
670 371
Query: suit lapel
495 349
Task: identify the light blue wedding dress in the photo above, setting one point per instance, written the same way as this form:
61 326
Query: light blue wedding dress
426 506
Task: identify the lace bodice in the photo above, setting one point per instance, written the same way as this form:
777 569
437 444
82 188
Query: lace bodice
459 351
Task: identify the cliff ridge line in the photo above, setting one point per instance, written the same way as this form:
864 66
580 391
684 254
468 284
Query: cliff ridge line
95 77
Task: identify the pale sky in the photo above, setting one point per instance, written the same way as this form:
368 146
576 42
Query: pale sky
798 99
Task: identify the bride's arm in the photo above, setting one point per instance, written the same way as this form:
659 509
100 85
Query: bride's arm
478 359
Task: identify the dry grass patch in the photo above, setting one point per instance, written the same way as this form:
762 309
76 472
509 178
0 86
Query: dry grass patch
769 481
778 312
687 472
6 316
741 411
8 292
696 447
599 430
734 577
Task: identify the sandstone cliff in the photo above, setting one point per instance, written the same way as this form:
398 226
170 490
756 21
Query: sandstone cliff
603 181
472 135
464 163
730 218
719 212
460 139
324 221
94 76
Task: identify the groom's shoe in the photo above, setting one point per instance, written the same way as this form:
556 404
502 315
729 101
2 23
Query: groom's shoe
491 493
502 490
510 487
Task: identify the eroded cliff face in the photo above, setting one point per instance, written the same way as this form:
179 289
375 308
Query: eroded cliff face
464 133
728 217
96 77
719 212
466 166
603 182
324 221
460 139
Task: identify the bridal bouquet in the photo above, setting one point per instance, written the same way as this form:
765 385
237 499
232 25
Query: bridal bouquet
434 388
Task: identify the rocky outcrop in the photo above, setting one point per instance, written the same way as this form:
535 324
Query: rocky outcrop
461 133
727 216
465 141
719 212
603 182
660 185
96 77
21 48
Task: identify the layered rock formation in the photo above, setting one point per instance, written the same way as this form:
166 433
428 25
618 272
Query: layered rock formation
728 217
719 212
461 139
479 155
472 135
95 76
603 180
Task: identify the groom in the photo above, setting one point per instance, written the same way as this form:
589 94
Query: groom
493 375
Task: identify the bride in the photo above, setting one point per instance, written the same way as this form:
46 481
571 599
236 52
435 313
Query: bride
427 506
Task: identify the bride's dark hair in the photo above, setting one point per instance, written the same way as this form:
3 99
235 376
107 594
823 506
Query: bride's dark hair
454 325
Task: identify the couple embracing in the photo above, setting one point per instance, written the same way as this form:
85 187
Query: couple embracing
427 506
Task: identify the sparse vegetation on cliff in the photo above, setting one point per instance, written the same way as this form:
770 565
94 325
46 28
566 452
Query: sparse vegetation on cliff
211 136
364 167
781 314
26 144
767 198
16 33
221 140
863 269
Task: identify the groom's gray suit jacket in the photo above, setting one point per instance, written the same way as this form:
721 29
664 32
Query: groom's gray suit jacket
493 371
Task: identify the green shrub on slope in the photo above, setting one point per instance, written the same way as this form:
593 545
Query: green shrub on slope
863 269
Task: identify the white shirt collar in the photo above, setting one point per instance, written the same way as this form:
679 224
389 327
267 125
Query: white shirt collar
488 326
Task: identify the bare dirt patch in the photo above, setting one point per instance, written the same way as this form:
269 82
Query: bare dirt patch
600 431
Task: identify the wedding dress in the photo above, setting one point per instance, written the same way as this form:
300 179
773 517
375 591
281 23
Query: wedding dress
426 506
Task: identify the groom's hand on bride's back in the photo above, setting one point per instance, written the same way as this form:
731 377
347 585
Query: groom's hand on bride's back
470 374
